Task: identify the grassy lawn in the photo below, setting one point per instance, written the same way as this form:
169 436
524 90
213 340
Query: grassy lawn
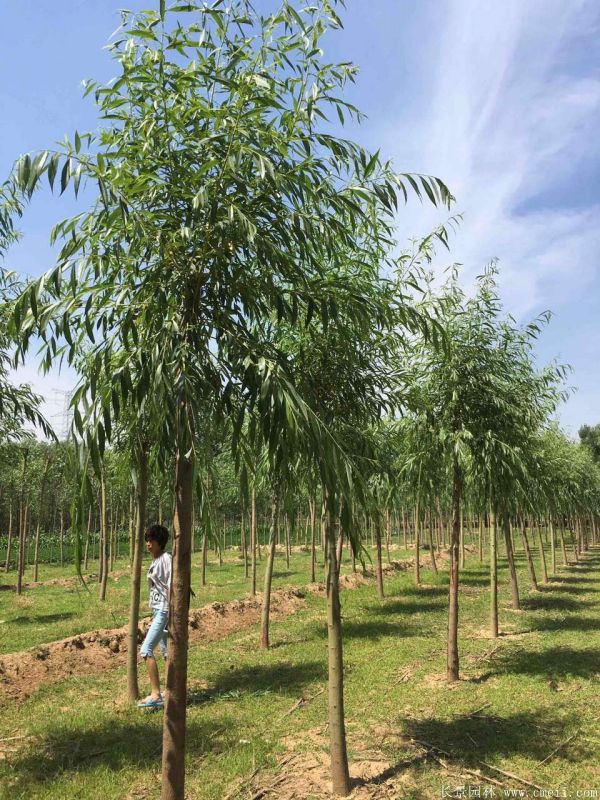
533 689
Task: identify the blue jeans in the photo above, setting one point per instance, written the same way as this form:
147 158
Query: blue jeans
157 634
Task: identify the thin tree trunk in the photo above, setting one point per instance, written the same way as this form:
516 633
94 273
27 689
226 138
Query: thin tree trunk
22 527
480 538
563 547
530 564
141 497
104 538
542 554
244 546
378 526
431 544
514 586
10 533
174 725
337 731
452 665
204 557
266 604
553 544
253 539
493 577
313 535
417 545
87 540
62 537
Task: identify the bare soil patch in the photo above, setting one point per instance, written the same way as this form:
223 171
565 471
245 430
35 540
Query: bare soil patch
95 651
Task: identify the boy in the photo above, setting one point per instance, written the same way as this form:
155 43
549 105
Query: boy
159 583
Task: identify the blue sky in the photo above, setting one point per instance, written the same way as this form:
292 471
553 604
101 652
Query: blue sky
499 99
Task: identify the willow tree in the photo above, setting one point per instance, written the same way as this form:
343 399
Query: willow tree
219 202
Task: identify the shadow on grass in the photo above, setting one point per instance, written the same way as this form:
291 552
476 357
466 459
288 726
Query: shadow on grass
391 607
548 602
553 662
43 618
113 744
282 678
571 623
482 737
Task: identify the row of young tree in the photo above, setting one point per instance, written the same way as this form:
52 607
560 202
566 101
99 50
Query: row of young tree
231 298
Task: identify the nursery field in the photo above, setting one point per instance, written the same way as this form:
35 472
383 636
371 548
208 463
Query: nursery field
521 722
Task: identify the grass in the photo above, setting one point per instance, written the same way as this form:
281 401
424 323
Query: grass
535 689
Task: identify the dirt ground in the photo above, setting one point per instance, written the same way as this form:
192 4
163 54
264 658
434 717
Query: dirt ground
89 653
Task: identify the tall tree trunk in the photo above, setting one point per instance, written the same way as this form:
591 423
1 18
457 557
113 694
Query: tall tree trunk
493 576
62 537
10 533
141 497
204 557
514 586
452 664
480 537
244 546
462 542
87 539
103 538
542 554
174 725
530 564
378 526
266 604
552 544
253 539
431 544
563 546
417 546
313 535
22 526
337 731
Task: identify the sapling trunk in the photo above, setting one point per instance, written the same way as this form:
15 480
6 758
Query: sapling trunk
530 564
174 724
452 665
431 544
337 731
542 554
266 605
378 526
141 497
514 586
417 546
104 539
493 577
253 539
10 533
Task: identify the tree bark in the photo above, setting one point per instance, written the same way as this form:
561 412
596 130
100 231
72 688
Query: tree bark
10 533
253 539
266 604
530 564
452 665
493 577
417 545
174 725
553 544
378 526
514 586
141 497
431 544
104 539
313 533
22 527
542 555
337 731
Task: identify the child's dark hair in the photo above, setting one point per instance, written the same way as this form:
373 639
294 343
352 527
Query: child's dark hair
159 534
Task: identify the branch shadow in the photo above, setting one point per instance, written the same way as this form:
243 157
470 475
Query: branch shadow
43 618
553 662
114 744
282 678
471 739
